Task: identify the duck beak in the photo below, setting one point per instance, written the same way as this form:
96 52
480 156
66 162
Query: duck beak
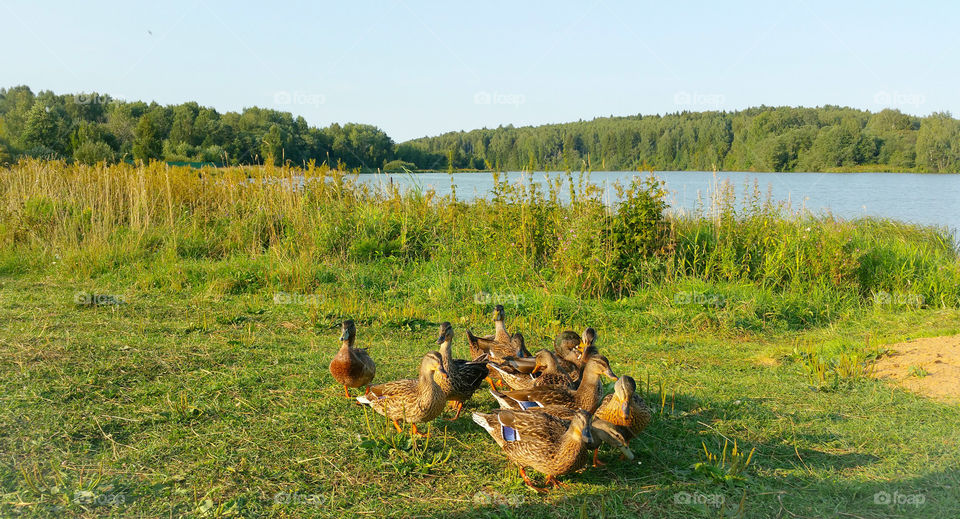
536 369
587 435
625 410
345 336
609 374
440 340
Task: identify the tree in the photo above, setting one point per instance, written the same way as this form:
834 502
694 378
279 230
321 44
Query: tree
937 143
44 129
146 143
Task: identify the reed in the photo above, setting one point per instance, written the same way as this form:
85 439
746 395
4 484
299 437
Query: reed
249 229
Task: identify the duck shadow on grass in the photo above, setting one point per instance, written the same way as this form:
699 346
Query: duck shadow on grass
785 477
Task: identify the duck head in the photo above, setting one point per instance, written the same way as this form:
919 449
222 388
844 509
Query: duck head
446 333
580 427
348 331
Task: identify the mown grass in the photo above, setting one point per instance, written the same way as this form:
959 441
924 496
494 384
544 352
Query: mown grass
204 392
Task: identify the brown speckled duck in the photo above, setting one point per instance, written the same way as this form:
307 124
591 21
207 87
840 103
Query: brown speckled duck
586 397
499 345
603 432
540 441
463 377
414 401
625 409
351 366
545 372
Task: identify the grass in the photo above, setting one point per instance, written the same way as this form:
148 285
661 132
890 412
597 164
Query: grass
165 351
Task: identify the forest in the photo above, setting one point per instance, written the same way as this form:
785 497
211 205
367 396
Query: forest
92 127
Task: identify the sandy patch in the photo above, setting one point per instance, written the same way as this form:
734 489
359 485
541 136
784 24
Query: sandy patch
939 357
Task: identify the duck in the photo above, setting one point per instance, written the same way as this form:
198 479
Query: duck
569 352
351 366
586 397
463 377
541 441
602 430
589 338
625 409
545 364
499 345
413 401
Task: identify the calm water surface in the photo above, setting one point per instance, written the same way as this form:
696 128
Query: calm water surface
909 197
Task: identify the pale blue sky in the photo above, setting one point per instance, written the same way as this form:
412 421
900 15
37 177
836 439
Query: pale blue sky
422 68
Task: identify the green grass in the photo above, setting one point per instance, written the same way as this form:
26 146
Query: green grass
165 351
190 404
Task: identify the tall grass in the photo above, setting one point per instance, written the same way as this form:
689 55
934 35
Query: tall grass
239 230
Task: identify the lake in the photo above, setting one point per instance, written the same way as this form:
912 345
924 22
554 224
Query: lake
910 197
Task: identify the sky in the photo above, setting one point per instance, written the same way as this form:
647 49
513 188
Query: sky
424 68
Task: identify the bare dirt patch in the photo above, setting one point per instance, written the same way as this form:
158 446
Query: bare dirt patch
929 366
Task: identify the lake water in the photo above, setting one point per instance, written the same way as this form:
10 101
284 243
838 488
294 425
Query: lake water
909 197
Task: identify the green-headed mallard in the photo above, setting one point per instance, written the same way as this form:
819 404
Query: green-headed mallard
586 397
411 400
351 366
540 441
545 372
463 377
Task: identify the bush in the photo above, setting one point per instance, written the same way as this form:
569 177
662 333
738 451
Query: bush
398 166
638 231
93 152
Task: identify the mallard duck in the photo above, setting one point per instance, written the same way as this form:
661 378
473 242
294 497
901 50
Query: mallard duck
540 441
589 338
498 352
569 354
586 397
499 345
351 366
545 364
463 377
603 431
411 400
625 409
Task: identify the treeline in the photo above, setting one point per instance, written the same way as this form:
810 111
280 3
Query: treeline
93 127
757 139
90 128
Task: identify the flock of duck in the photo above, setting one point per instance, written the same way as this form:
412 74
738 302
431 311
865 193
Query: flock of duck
552 408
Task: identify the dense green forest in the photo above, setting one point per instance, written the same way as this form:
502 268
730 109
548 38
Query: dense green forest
829 138
92 127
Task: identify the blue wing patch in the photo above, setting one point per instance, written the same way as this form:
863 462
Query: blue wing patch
527 405
509 433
